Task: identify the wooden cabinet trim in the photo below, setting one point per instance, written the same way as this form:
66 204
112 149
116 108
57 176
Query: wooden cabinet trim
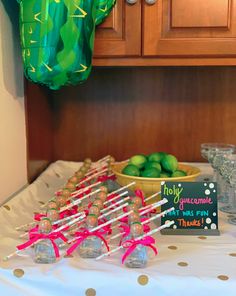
142 62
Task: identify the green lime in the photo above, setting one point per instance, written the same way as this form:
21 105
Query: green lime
169 163
151 173
156 156
153 164
164 175
131 170
179 173
139 160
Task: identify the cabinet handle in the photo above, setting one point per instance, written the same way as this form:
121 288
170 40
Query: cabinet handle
131 2
150 2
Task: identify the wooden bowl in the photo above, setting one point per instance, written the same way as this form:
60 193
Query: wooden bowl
152 185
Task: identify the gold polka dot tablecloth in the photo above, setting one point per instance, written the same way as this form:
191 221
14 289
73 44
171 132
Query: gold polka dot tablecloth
186 265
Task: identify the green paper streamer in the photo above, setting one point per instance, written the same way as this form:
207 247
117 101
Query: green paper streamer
57 38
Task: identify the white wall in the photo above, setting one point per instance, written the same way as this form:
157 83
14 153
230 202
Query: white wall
13 174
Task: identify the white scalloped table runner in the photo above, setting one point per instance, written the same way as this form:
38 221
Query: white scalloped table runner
186 265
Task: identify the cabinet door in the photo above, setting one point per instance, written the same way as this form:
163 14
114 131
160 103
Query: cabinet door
190 28
120 34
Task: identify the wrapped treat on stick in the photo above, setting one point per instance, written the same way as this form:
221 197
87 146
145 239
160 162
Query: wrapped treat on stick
89 242
144 222
138 239
45 250
105 224
37 239
136 256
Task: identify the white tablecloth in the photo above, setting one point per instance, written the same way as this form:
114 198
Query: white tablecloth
186 265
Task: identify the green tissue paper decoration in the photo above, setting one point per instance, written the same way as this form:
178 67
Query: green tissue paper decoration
57 38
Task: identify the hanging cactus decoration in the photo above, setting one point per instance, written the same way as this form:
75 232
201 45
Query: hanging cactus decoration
57 38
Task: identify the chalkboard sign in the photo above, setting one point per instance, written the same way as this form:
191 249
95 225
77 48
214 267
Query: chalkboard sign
195 208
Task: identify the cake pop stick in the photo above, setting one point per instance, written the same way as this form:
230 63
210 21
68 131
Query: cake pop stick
123 193
82 190
113 211
60 221
57 230
92 177
95 170
76 202
153 206
151 232
158 216
152 196
69 218
147 209
84 180
103 225
120 189
115 204
146 221
25 225
105 158
115 197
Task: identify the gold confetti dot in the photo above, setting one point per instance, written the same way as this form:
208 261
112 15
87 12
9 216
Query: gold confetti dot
7 207
223 277
90 292
182 264
68 256
18 272
232 254
172 247
202 237
41 202
143 279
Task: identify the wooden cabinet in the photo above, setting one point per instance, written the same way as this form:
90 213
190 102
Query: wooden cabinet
169 32
120 34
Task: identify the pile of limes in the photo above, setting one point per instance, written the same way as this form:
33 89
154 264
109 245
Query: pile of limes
154 165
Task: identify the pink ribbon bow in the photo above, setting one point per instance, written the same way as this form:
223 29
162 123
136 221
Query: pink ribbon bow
34 237
80 195
124 220
33 230
38 216
82 236
140 194
69 212
81 186
125 229
111 195
104 178
106 230
146 228
130 245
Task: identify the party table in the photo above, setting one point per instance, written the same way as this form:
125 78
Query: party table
185 265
